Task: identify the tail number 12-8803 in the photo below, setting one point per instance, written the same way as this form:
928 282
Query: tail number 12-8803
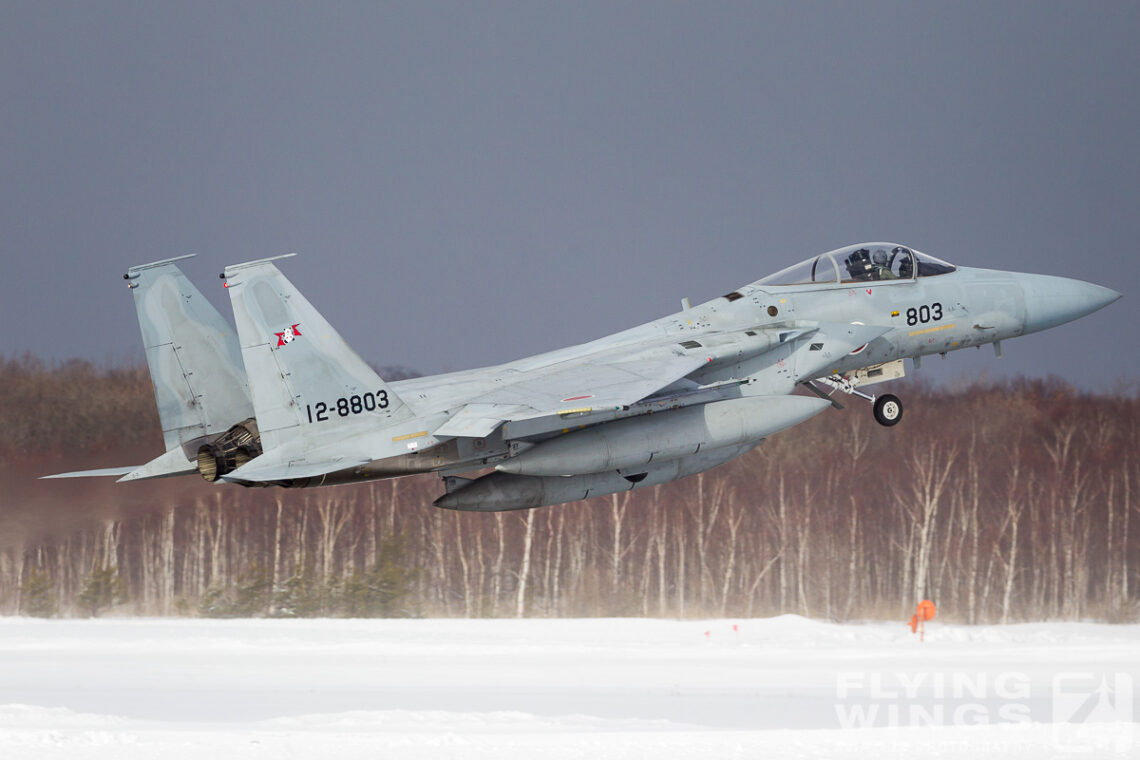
343 407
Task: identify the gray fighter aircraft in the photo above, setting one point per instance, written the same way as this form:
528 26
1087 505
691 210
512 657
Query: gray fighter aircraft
286 402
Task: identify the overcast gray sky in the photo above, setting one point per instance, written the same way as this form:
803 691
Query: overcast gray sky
469 183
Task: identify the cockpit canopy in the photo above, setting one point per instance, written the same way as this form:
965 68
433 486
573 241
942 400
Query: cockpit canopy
866 262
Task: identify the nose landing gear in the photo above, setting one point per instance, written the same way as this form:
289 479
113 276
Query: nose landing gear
888 408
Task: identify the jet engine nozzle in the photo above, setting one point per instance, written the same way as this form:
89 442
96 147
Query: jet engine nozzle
230 450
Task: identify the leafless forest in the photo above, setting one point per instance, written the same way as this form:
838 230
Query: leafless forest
1001 503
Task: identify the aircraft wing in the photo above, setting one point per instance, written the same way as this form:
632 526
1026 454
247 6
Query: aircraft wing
584 384
479 420
615 377
612 380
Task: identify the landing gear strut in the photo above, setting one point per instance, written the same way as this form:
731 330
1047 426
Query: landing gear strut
887 408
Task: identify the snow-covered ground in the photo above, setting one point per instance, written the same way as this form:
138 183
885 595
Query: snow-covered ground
778 687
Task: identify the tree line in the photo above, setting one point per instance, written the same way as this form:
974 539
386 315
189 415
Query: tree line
1001 502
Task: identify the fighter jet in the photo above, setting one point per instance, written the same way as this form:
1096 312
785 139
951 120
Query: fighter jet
285 402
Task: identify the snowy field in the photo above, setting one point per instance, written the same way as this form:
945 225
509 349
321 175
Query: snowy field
616 688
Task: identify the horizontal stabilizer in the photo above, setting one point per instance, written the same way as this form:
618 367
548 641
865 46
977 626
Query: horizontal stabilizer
105 472
172 463
272 472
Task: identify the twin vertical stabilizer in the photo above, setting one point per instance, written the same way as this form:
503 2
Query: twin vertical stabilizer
224 398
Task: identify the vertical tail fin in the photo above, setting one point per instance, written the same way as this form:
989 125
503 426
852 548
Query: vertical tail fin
193 354
303 378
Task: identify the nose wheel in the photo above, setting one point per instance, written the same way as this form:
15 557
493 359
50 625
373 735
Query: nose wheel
888 410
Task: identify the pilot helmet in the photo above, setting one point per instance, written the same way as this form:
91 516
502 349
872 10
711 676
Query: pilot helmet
858 262
906 263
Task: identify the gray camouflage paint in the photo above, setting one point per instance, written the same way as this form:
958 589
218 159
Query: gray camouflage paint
650 404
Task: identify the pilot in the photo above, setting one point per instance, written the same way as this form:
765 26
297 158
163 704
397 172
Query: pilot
882 262
906 267
859 265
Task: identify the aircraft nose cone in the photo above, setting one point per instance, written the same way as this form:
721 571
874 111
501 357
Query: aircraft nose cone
1052 301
